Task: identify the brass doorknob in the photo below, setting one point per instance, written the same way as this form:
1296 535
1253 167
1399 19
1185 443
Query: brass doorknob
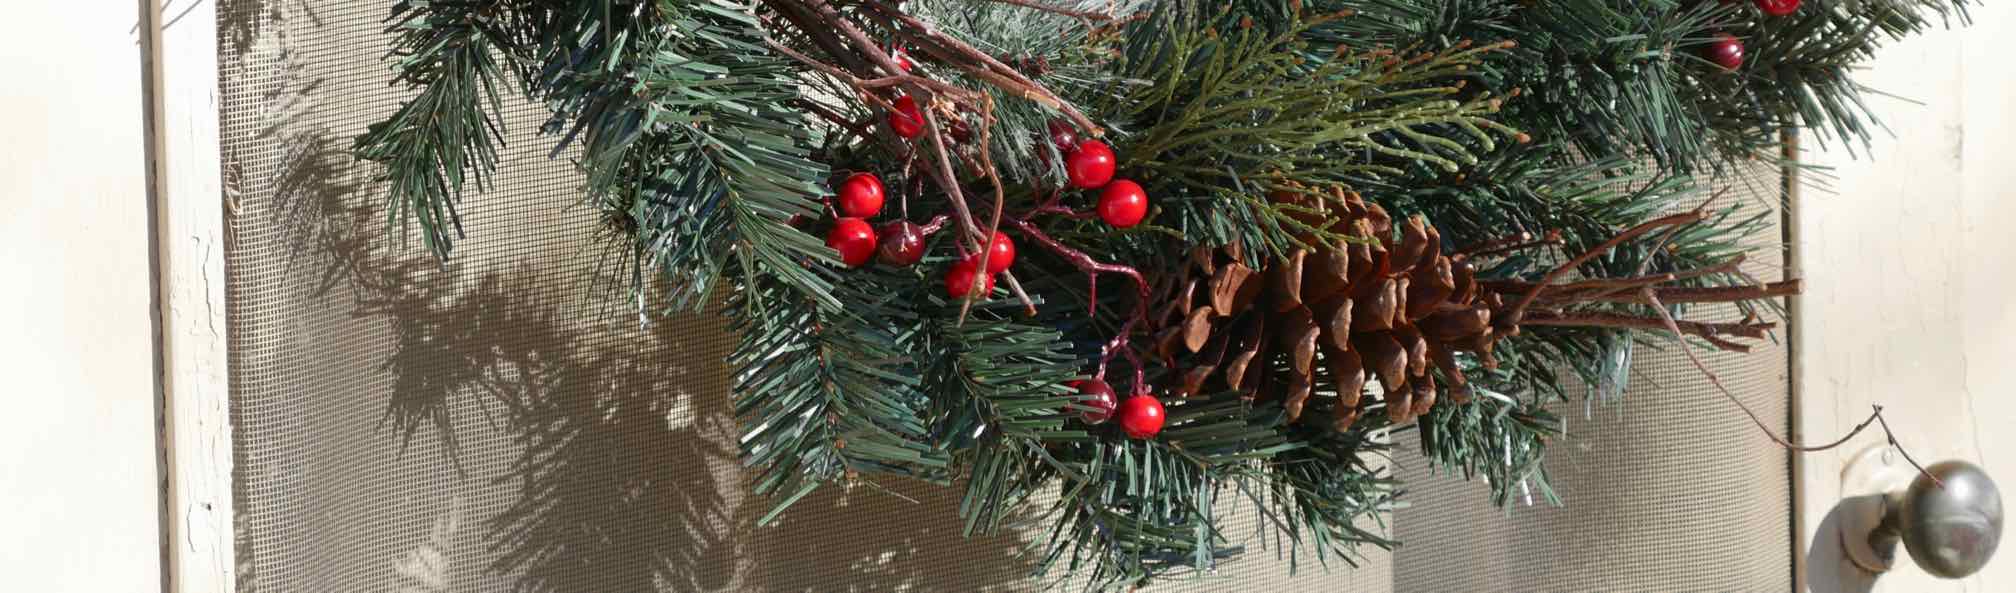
1950 527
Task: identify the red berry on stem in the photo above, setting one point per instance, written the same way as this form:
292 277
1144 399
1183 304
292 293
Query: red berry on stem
1141 416
1063 136
1726 51
1090 165
861 195
1123 204
1000 254
965 278
906 120
1778 7
1099 398
902 243
854 239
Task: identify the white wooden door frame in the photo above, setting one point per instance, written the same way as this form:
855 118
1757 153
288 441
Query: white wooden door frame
187 201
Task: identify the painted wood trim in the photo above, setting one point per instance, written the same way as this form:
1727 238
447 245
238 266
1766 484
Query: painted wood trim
190 209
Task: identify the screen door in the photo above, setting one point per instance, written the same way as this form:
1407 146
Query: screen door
502 422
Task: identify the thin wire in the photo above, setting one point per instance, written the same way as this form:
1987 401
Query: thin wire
1875 415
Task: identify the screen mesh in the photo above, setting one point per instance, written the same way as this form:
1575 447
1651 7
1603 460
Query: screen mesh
497 423
1671 489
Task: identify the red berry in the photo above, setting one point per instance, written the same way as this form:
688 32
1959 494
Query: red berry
854 239
1123 204
1000 254
1778 7
1099 398
1141 416
906 120
861 195
960 280
1090 165
1726 51
902 243
1063 136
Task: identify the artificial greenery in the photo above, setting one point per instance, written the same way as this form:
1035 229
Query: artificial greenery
1528 133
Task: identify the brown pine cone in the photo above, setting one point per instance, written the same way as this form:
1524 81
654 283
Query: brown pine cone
1385 304
1372 307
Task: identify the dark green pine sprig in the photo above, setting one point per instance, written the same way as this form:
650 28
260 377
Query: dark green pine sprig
707 151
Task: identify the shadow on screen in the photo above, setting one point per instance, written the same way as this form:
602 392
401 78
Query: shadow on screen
623 471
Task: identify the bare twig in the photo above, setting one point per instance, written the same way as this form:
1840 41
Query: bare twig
1744 329
971 60
1875 416
869 83
1092 269
1518 311
993 175
1711 294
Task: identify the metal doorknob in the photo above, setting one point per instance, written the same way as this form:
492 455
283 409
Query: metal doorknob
1950 527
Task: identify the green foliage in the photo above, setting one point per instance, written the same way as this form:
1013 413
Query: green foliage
1802 67
999 400
1232 111
445 138
1496 437
820 393
706 152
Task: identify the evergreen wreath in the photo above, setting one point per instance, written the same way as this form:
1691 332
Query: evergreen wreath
1237 243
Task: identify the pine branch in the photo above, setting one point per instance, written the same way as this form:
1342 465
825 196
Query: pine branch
1252 110
816 394
999 397
445 139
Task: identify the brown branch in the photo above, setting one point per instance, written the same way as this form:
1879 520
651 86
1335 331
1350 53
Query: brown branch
1708 294
1728 266
931 228
1518 311
970 59
993 175
1084 262
1605 285
1615 291
1744 329
865 84
806 20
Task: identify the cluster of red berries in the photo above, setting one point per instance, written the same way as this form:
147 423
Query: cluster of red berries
901 243
1141 416
1090 165
1727 51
